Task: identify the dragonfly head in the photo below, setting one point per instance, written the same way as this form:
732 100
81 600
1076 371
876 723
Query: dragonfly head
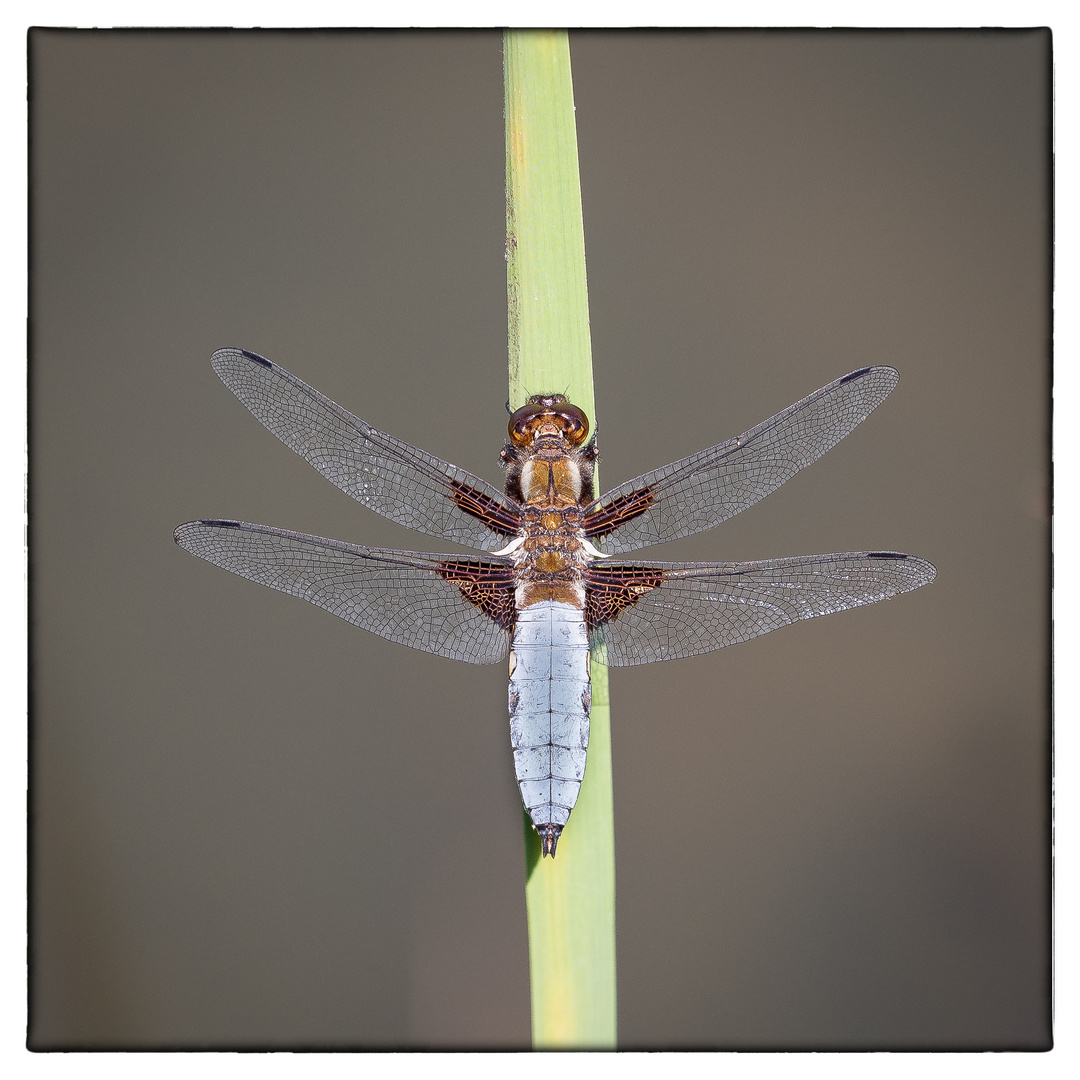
548 416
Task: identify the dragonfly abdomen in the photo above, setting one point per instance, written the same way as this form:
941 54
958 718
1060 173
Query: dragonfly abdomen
549 712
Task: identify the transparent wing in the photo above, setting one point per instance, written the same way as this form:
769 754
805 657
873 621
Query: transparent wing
661 611
713 485
387 475
456 607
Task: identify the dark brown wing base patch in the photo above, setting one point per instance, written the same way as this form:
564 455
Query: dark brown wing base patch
618 512
476 504
609 589
489 586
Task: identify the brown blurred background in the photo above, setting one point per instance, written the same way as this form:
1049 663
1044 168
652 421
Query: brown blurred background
254 825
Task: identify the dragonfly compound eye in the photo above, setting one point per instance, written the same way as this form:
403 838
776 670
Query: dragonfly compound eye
575 423
555 414
524 423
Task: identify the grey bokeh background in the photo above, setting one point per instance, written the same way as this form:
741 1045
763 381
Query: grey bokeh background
255 825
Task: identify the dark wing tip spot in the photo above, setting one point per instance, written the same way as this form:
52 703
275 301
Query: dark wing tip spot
886 555
856 374
219 523
880 369
257 358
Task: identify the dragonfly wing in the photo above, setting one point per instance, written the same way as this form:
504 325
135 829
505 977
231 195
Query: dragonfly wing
461 608
713 485
661 611
387 475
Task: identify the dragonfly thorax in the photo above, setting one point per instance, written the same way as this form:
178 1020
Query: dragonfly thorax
551 561
547 461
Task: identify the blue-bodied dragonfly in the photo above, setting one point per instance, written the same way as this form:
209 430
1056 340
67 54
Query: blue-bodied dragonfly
543 593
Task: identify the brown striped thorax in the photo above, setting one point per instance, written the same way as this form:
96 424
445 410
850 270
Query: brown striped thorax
547 461
549 471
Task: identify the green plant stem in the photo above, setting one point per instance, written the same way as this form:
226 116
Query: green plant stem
570 899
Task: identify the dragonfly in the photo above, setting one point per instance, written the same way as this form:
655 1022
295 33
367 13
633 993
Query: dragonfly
545 590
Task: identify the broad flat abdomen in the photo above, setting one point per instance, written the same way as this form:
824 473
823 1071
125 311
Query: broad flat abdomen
549 709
